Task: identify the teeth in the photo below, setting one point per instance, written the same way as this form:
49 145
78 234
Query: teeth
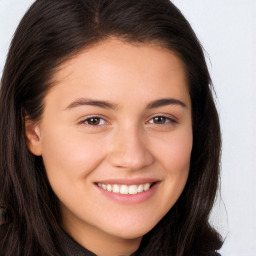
146 186
125 189
109 188
116 189
140 188
133 189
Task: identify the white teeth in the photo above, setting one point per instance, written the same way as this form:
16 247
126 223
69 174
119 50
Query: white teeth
116 188
109 188
133 190
146 186
125 189
140 188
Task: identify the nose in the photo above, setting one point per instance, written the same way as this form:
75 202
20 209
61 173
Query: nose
129 150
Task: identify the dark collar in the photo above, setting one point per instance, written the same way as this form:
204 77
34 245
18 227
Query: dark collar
71 247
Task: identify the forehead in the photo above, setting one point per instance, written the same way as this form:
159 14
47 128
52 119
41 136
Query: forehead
115 67
116 52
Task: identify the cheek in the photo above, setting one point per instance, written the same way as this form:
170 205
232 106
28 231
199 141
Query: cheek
68 157
178 161
175 151
179 155
174 155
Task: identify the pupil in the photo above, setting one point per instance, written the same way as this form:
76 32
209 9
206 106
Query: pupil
159 120
94 121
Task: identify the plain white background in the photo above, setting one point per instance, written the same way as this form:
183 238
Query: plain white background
227 30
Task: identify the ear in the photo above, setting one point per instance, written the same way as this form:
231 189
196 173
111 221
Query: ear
33 137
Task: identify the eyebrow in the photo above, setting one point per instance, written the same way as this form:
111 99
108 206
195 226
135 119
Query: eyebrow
165 102
90 102
107 105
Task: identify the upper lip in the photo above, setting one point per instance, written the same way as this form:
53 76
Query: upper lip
136 181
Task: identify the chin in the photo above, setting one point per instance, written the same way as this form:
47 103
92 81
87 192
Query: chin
128 231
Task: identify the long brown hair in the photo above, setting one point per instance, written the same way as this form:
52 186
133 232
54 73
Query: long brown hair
53 31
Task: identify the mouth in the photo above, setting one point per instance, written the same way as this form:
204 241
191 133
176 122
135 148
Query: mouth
131 191
124 189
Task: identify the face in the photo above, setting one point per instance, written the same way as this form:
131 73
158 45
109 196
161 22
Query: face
116 138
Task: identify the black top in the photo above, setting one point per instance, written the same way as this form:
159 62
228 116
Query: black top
71 247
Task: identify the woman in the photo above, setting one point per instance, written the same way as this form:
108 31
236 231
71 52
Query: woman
110 139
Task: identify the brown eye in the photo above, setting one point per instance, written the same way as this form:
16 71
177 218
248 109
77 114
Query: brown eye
162 120
159 120
94 121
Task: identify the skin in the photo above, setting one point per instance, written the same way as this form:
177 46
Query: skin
127 143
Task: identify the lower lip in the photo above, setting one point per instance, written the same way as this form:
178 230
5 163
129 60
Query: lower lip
130 199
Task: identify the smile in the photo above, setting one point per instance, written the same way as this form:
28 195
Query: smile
125 189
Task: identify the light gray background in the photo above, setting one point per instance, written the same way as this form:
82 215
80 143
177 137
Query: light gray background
227 30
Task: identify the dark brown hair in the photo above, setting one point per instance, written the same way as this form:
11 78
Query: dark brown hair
53 31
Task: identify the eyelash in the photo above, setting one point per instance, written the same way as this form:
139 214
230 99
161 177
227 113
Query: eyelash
167 121
91 118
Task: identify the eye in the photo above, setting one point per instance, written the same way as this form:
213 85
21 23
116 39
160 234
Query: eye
94 121
162 120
